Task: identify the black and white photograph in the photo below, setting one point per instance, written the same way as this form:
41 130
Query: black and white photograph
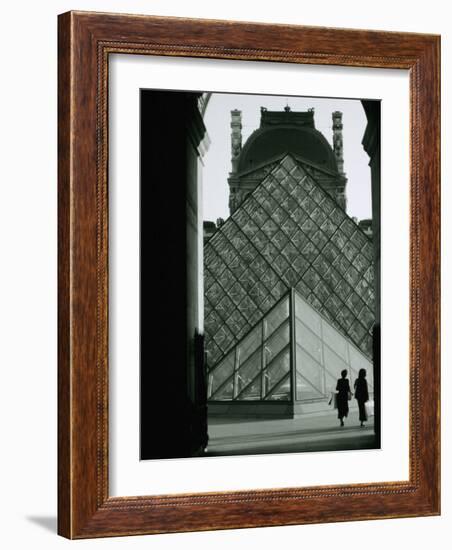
260 225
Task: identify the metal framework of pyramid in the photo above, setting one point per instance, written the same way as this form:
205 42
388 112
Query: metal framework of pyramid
288 233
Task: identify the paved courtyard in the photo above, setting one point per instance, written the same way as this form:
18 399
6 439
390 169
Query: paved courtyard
312 432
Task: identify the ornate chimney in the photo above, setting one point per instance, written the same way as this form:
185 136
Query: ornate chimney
236 138
338 146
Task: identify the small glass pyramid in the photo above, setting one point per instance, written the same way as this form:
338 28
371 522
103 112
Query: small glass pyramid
292 354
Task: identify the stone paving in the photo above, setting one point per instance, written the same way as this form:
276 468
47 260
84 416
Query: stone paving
312 432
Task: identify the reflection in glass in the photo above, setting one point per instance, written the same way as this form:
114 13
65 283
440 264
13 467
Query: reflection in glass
306 313
248 371
280 392
276 370
310 342
252 391
249 344
333 362
223 371
335 341
311 371
305 391
225 392
276 342
276 316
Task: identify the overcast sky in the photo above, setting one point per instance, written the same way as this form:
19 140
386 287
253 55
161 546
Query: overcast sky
218 158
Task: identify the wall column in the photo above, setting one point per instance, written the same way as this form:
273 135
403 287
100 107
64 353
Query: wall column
173 396
371 144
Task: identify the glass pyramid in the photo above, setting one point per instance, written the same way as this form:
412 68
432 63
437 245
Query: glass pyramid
288 233
291 354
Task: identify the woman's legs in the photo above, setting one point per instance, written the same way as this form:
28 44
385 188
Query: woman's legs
362 412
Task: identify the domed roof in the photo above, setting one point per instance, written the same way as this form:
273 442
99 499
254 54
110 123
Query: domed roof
272 141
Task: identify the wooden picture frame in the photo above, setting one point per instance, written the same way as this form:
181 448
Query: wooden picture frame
85 508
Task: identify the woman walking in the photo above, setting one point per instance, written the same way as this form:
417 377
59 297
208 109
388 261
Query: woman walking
361 395
343 395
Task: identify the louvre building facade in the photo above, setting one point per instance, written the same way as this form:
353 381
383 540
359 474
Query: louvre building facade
288 277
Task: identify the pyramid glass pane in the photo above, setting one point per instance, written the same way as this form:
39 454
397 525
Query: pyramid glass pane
333 362
276 342
310 371
249 370
225 392
223 371
308 340
305 391
280 392
252 392
249 345
276 317
330 382
276 370
335 341
308 314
